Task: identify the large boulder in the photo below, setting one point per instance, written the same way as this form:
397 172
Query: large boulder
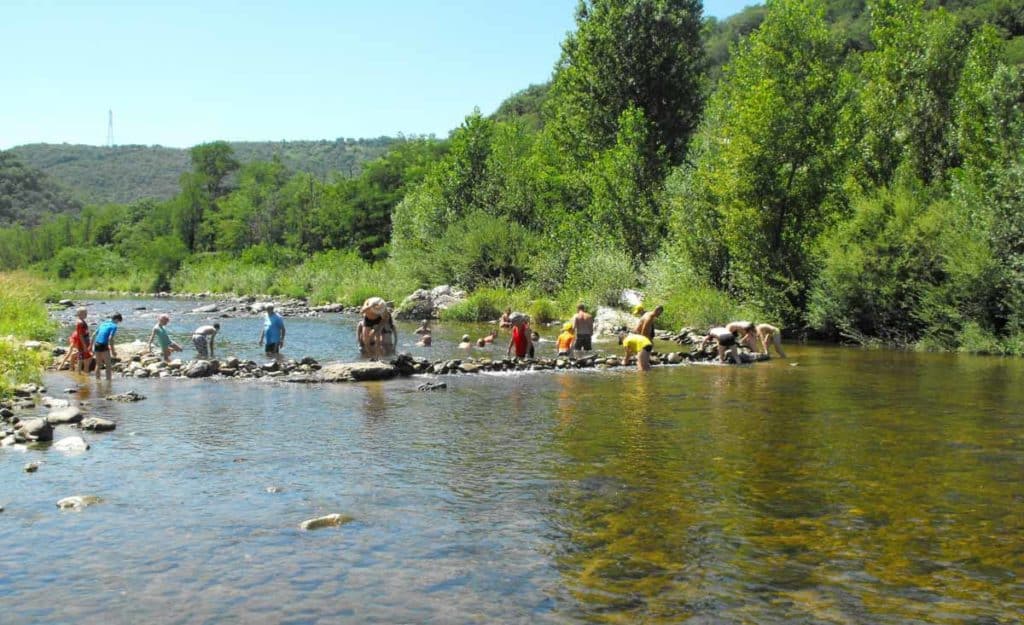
427 304
609 320
199 369
34 430
96 424
71 445
357 372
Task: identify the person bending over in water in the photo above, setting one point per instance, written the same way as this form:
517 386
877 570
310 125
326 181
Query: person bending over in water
745 331
103 344
646 325
163 339
583 328
766 333
203 338
637 345
726 342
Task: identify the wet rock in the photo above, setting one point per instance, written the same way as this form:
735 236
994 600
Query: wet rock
8 441
65 416
330 520
130 396
66 303
51 402
468 367
96 424
34 430
273 490
6 413
675 358
26 390
432 386
357 372
71 444
77 502
308 360
31 467
273 365
209 308
199 369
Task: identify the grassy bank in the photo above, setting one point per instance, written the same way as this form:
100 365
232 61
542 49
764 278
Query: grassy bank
23 317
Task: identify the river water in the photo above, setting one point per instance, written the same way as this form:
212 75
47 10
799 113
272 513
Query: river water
836 486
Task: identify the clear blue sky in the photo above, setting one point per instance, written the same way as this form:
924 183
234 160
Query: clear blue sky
184 72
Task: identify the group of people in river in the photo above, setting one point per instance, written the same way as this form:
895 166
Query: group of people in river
377 336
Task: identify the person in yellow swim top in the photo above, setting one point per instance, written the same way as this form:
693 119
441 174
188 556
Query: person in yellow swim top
639 345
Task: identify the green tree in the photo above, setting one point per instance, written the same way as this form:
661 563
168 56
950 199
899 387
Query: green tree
646 54
770 159
214 162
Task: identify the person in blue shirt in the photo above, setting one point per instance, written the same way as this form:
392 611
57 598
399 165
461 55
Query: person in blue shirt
272 333
103 344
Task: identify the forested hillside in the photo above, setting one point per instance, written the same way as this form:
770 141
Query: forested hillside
28 196
101 175
866 187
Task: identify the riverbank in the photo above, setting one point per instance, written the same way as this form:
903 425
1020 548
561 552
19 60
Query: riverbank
24 326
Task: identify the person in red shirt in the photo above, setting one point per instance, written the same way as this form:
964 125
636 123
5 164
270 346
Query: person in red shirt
520 335
80 340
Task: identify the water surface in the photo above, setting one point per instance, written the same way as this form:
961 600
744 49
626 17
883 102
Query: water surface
837 486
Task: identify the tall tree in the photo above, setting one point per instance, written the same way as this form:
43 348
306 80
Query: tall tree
214 162
646 54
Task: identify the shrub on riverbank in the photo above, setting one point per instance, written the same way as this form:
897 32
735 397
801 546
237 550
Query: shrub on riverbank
22 316
333 276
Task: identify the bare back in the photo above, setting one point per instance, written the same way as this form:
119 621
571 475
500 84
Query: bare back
583 323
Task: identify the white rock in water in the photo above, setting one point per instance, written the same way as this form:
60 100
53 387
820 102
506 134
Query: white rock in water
77 502
51 402
331 520
63 416
210 308
71 444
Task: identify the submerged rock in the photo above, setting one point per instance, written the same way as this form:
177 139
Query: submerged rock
31 467
71 444
330 520
77 502
130 396
432 386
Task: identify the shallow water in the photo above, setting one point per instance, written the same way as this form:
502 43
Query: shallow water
837 486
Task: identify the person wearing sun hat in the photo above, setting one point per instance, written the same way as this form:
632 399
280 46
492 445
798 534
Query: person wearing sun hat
566 339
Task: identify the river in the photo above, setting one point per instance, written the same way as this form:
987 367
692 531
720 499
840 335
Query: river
839 485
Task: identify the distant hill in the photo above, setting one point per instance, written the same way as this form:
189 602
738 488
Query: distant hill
27 195
125 173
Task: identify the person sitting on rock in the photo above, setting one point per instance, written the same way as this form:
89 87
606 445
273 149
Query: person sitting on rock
466 343
637 345
744 330
765 333
726 342
163 339
202 339
566 340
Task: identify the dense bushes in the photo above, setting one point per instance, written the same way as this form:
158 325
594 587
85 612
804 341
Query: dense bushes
22 316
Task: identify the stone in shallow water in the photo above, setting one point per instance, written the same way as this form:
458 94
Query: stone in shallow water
35 430
330 520
357 371
71 444
31 467
77 502
97 424
64 416
130 396
273 490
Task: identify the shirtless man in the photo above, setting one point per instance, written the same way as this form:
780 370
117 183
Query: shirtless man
646 325
583 328
745 331
766 332
202 339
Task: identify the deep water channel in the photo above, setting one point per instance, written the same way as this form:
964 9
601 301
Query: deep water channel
836 486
